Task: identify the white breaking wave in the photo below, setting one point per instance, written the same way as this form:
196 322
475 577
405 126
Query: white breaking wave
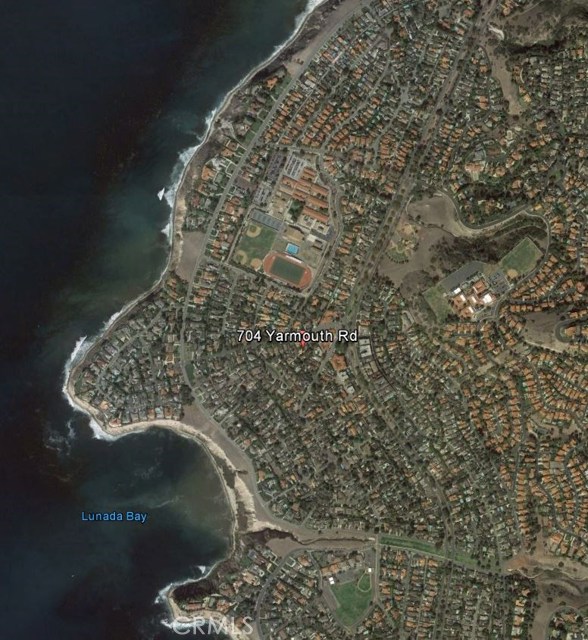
100 434
163 593
81 347
184 158
71 432
311 5
167 231
166 623
113 318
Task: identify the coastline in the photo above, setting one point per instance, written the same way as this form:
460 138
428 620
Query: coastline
249 512
174 194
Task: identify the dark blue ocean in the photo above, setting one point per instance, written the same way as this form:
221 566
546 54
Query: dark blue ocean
98 98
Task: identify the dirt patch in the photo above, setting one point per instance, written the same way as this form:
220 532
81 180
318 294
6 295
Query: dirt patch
413 286
535 24
422 258
510 91
241 257
193 244
253 230
540 331
438 211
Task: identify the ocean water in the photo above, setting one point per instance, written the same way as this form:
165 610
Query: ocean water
98 101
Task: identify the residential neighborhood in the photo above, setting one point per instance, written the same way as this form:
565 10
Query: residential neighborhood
408 174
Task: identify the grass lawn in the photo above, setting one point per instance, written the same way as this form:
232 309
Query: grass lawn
522 258
277 90
365 583
464 558
426 547
407 543
258 246
437 302
353 599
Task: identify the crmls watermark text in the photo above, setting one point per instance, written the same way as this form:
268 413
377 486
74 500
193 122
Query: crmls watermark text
207 626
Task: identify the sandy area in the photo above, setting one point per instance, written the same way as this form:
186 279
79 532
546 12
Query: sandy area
439 211
532 25
233 466
193 244
237 476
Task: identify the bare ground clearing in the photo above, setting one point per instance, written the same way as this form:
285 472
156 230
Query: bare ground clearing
540 330
504 77
192 248
420 259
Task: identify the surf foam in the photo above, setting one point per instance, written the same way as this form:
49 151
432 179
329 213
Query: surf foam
80 349
167 231
60 440
82 346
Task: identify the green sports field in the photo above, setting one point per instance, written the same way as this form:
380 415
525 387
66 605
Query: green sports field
353 599
522 258
287 270
255 244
